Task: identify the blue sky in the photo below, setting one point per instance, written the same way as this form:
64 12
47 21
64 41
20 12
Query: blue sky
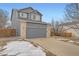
49 10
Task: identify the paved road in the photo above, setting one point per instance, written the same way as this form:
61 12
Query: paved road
57 47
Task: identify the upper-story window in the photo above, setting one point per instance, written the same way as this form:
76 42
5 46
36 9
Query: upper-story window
22 15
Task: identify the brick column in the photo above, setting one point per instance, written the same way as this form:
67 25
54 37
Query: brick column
23 30
49 30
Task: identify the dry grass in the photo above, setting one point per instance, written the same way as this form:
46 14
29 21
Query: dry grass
74 39
48 53
65 40
2 43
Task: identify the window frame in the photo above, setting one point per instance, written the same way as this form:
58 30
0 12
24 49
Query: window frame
23 15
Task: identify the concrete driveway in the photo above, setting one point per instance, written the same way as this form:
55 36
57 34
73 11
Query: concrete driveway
57 47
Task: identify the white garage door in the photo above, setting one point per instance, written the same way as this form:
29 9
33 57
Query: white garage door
36 30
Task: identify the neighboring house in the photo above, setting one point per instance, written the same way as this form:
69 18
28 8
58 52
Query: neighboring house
33 19
71 27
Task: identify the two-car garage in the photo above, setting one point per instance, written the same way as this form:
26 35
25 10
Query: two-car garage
33 29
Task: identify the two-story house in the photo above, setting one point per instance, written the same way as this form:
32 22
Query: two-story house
33 19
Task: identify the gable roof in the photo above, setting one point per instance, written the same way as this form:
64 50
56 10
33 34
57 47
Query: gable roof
30 10
35 11
27 8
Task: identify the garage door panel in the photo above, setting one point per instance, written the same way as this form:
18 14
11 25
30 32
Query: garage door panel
34 25
36 32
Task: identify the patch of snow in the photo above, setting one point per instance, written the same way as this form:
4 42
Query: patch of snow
70 41
77 42
22 48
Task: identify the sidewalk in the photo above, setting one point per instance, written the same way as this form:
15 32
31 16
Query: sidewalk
57 47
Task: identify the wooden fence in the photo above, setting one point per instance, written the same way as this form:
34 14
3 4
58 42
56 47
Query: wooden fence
65 34
7 32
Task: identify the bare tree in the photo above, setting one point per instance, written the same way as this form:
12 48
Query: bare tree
53 25
3 18
72 12
57 29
